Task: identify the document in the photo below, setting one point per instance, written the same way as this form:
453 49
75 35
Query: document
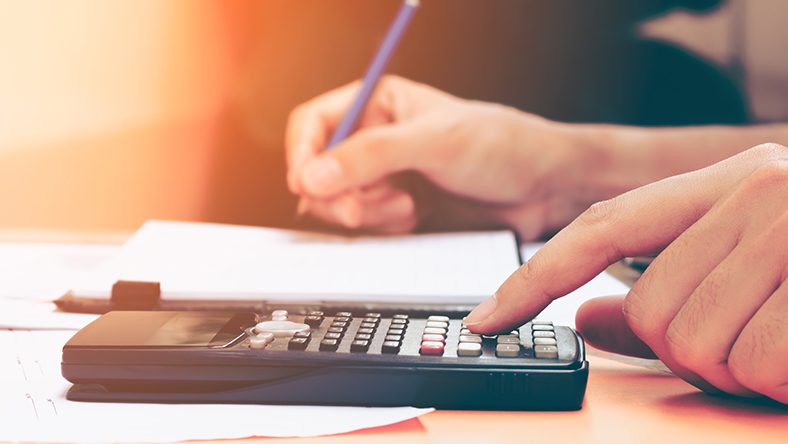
212 261
33 407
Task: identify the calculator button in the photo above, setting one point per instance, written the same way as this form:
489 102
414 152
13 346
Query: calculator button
514 333
342 325
313 321
542 327
507 350
367 331
469 349
546 351
344 314
371 320
435 331
278 318
431 348
545 341
258 342
280 328
339 330
397 338
303 334
508 339
434 338
279 313
465 331
359 345
329 345
368 325
336 336
438 318
342 319
541 322
437 324
477 339
399 321
400 316
372 315
297 343
390 347
316 313
397 327
544 334
363 336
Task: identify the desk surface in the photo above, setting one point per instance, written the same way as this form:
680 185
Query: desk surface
624 404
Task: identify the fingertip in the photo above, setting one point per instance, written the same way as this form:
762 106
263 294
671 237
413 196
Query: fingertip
322 176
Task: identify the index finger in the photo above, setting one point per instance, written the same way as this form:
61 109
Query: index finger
640 222
310 125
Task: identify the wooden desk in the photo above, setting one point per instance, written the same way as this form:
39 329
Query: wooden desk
624 404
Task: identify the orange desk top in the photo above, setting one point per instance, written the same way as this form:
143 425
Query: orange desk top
624 404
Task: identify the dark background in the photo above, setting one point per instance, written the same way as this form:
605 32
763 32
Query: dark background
573 61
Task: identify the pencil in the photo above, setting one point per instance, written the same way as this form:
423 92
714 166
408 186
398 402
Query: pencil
370 80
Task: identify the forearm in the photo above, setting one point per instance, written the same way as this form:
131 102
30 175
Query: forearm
620 158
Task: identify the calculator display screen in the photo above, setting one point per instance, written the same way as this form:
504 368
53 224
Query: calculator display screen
164 329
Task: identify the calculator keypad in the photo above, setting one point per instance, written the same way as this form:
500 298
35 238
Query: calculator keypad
434 336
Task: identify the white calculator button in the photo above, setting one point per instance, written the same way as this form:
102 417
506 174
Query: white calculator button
469 349
542 327
280 328
435 338
257 342
279 318
437 324
541 322
508 339
435 331
546 351
545 341
279 313
471 338
544 334
465 331
507 350
438 318
266 336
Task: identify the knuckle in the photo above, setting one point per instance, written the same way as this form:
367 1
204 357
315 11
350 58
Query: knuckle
773 172
770 151
601 214
756 361
684 347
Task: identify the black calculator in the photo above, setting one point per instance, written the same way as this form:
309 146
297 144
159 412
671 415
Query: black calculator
317 358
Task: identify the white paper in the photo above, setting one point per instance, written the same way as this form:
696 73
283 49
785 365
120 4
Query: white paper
33 407
210 261
44 272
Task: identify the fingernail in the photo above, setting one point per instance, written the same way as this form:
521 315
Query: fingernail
321 173
482 311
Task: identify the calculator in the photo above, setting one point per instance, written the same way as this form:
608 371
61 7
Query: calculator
319 358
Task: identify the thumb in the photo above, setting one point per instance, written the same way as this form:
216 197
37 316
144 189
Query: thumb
601 322
365 158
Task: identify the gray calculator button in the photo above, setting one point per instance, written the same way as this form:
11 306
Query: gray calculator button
546 351
508 339
469 349
438 318
544 334
471 338
507 350
545 341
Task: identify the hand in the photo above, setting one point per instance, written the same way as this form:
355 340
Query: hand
714 303
423 158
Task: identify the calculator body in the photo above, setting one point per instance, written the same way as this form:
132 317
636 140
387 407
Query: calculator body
219 357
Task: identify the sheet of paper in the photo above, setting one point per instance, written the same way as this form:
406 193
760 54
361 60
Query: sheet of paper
209 261
44 272
33 407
